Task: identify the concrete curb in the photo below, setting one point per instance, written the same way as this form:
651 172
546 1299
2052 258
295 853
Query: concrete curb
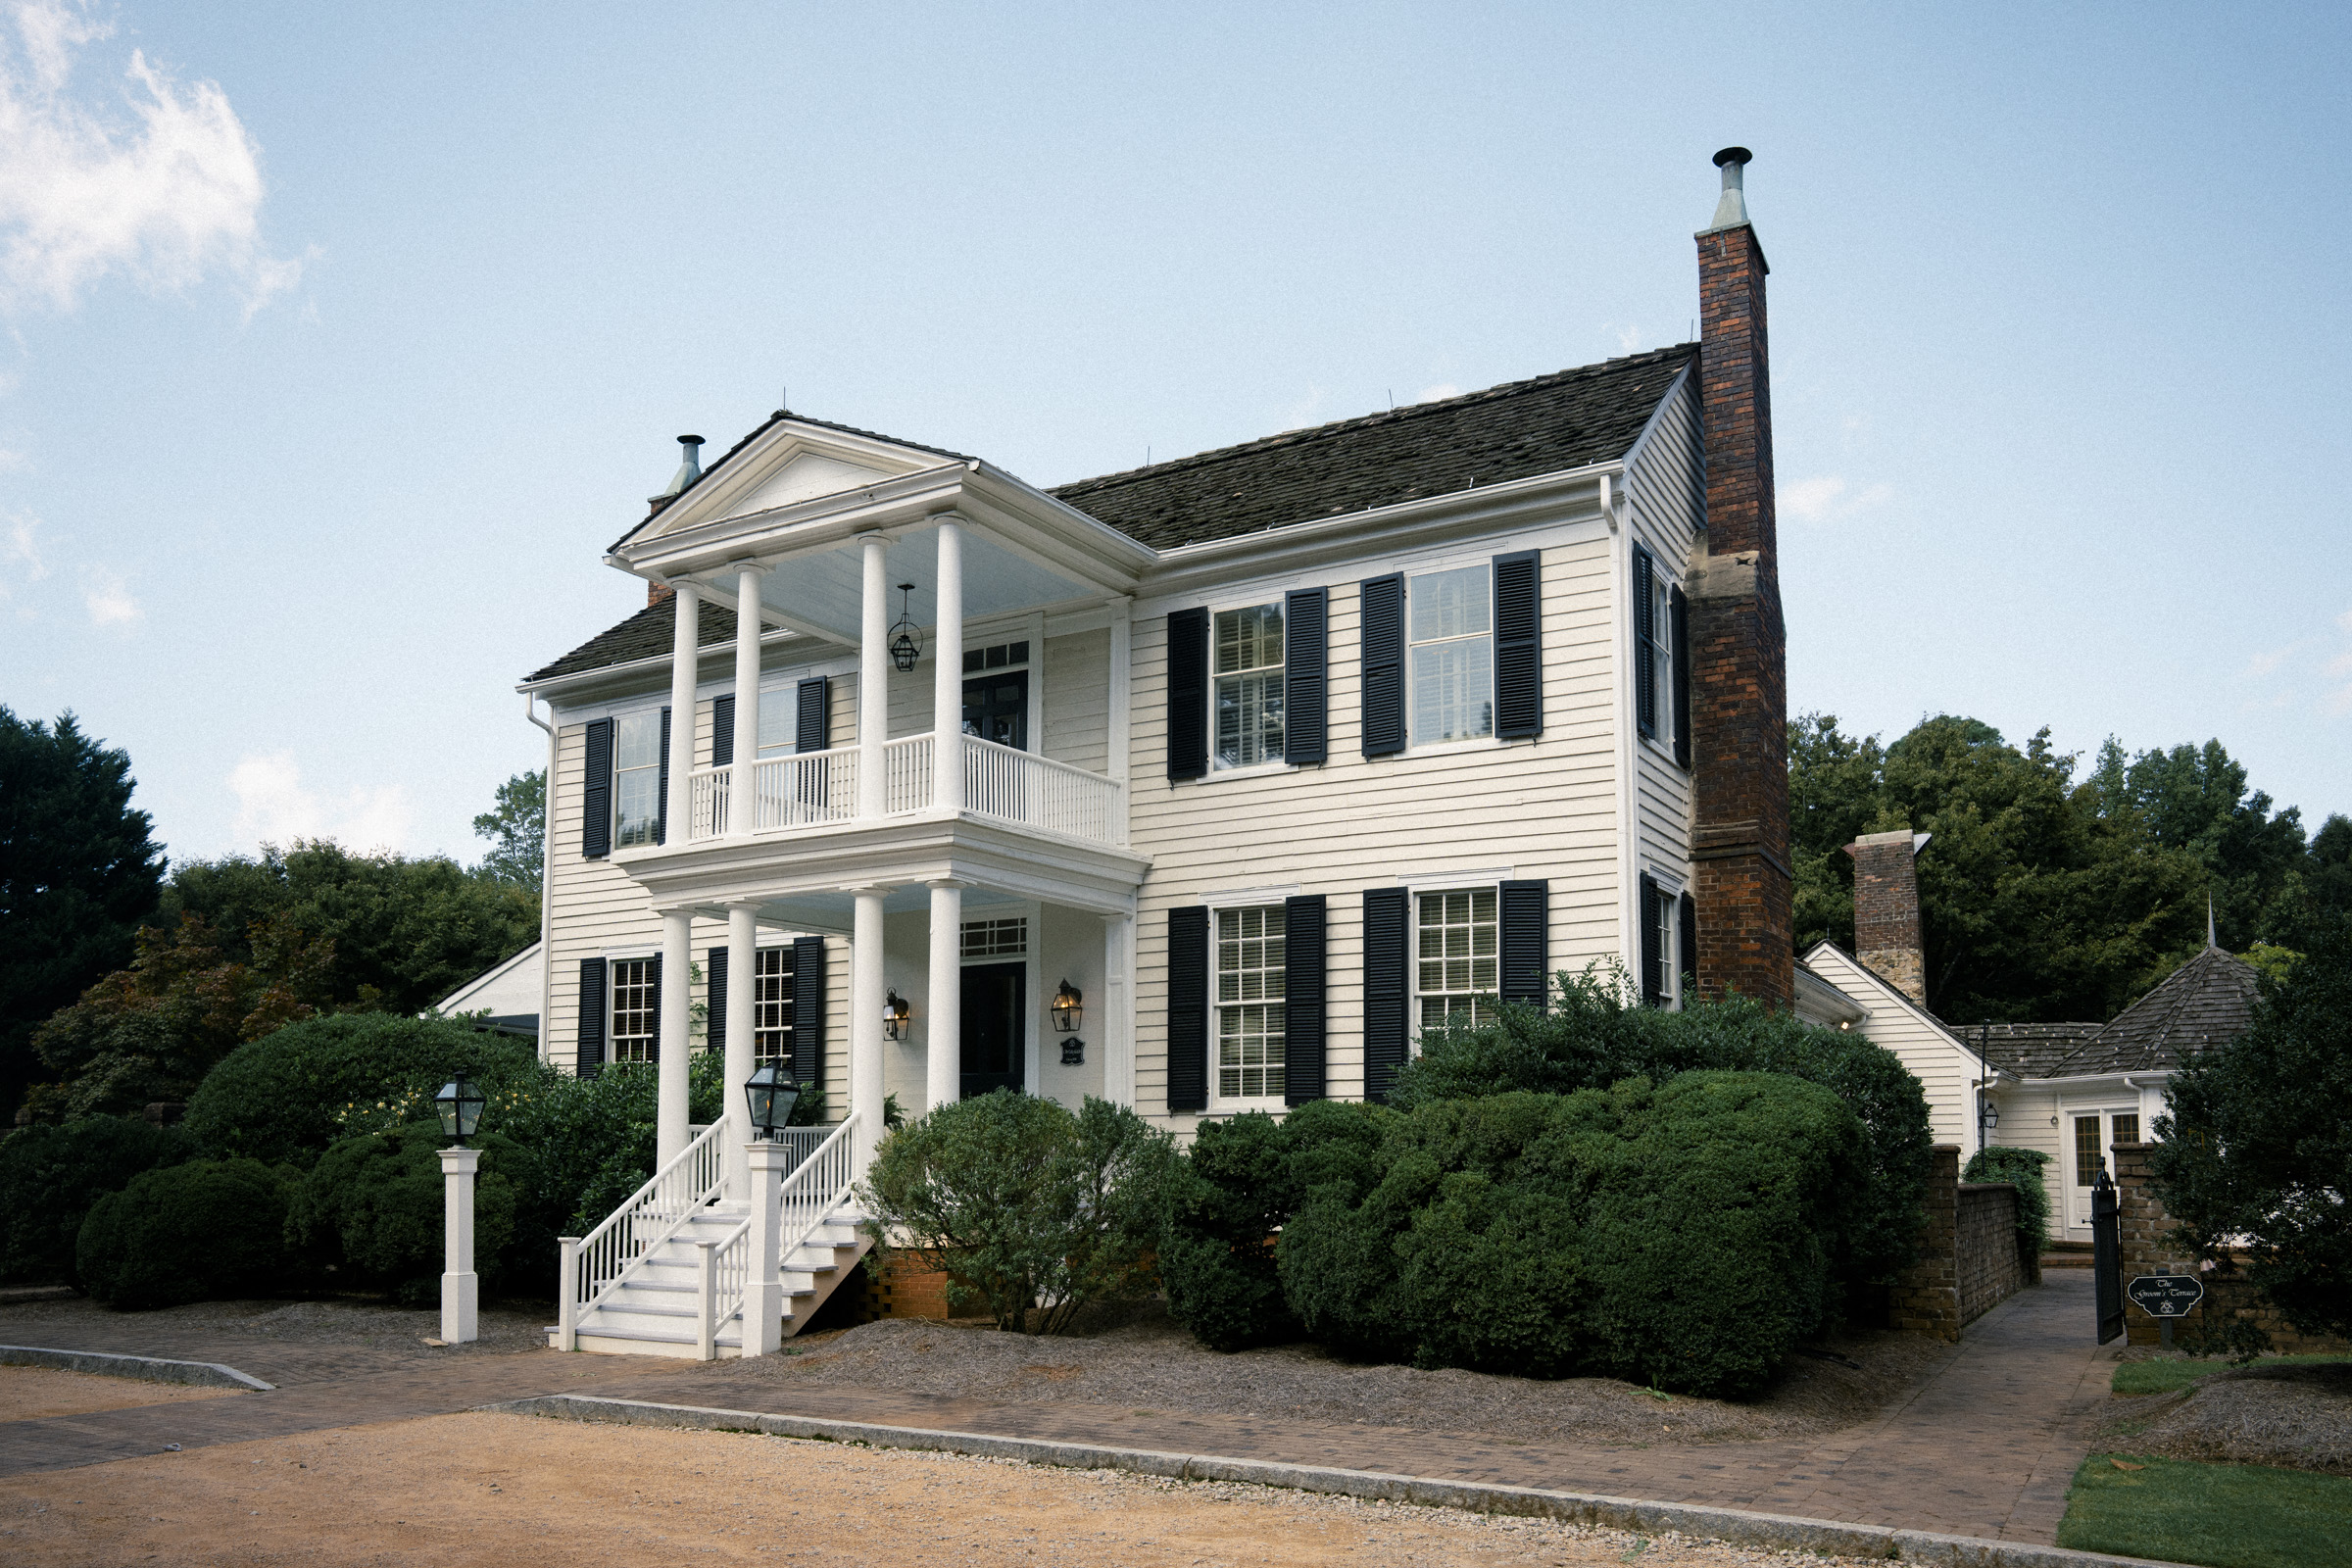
1738 1525
199 1374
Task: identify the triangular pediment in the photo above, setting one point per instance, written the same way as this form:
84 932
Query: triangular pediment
788 463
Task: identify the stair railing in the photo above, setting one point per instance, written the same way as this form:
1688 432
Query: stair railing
818 1186
809 1196
722 1268
596 1264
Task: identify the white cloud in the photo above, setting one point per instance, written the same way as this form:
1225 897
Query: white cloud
1829 499
157 181
2262 664
1438 393
108 597
20 549
276 806
2343 622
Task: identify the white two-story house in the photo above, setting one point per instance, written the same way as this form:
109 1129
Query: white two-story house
1201 786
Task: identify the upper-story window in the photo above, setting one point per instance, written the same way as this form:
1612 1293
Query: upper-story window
1251 974
779 724
1249 666
1457 968
636 778
1451 620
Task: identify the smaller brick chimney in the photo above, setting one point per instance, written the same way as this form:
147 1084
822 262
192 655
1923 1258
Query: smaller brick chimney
1886 908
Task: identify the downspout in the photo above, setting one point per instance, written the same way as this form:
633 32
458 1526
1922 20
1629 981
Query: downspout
546 870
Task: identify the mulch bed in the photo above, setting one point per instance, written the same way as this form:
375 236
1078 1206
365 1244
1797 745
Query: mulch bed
2296 1417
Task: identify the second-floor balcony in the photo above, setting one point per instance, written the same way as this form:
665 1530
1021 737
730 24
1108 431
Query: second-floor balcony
784 795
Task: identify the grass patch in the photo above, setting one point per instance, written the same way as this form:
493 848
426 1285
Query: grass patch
2224 1515
2163 1377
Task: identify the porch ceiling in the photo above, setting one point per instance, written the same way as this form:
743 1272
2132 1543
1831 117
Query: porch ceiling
819 592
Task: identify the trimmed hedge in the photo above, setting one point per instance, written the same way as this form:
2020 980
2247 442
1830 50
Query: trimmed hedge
1683 1236
375 1204
2021 1167
282 1098
51 1176
196 1232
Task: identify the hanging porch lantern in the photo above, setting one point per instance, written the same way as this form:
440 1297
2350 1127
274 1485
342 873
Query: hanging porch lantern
770 1094
906 638
460 1105
1069 1008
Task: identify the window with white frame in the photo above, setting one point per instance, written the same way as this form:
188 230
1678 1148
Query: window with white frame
1457 969
636 777
1248 664
1661 654
1451 621
779 724
771 1007
1007 938
1250 1003
636 1007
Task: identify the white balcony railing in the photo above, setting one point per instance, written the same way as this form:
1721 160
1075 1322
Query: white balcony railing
1001 784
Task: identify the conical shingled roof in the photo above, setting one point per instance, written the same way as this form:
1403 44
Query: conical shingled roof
2206 1003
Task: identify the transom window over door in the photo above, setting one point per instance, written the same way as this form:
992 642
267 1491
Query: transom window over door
636 1007
1250 992
1452 630
636 778
1459 956
771 1007
1249 672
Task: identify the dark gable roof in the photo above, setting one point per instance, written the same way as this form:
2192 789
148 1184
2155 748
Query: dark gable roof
1515 431
2027 1049
2207 1001
645 635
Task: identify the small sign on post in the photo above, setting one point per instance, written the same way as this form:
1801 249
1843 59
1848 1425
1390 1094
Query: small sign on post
2165 1298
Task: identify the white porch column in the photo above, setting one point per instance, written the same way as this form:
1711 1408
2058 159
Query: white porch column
763 1286
677 1022
1117 1025
943 1076
743 958
873 686
947 689
743 817
684 645
461 1287
865 1019
1117 724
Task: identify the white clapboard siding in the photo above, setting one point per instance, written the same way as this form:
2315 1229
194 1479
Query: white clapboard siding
1077 699
1546 807
1947 1069
2027 1112
1666 481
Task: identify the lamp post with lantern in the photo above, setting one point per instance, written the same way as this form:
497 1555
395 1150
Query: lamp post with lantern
770 1095
459 1104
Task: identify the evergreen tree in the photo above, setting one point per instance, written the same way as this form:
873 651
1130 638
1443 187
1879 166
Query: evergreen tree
78 872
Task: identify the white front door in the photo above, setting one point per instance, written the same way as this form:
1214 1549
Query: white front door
2092 1134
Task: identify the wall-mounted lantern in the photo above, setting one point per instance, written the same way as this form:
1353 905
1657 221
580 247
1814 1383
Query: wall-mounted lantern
906 638
894 1017
1069 1008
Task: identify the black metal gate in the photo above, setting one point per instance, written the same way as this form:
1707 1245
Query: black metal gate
2106 1258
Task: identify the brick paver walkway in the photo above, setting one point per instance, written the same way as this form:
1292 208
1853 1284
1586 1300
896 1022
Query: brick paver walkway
1985 1446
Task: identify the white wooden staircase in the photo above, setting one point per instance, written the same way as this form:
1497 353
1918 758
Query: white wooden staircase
667 1273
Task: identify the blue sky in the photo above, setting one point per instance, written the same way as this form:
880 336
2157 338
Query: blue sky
340 340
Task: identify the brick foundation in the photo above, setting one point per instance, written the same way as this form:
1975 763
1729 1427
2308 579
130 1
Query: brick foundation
1971 1256
2143 1232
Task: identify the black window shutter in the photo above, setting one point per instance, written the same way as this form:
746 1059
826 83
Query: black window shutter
812 725
1381 662
1386 989
1685 947
1188 693
1679 639
1187 1008
653 972
714 999
661 805
596 792
1646 672
1653 963
1302 999
1519 644
1307 679
722 731
1525 940
809 1010
589 1059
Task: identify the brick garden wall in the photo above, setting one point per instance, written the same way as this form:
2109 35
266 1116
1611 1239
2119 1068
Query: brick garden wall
1971 1256
1991 1264
2143 1232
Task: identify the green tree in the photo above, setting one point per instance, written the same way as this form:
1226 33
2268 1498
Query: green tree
517 828
78 872
2255 1147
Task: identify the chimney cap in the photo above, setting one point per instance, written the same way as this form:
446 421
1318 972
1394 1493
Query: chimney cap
690 440
1734 155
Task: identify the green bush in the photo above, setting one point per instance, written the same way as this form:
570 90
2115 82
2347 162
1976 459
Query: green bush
288 1095
2023 1169
1591 1037
1682 1235
375 1204
198 1232
1223 1203
1033 1212
50 1176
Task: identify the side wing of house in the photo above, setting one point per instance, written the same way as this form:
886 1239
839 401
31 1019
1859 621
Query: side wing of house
1947 1069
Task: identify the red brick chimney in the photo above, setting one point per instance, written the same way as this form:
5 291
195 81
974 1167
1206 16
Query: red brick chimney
1738 652
1886 908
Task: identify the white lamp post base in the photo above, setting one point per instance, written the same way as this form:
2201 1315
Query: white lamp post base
461 1287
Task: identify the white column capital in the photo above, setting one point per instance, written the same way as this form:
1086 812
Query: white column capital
459 1162
949 882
